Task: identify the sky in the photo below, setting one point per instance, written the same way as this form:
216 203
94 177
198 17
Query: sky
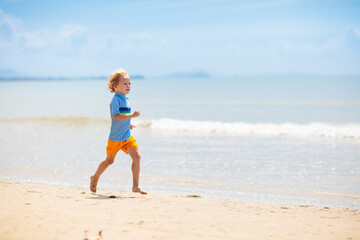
154 38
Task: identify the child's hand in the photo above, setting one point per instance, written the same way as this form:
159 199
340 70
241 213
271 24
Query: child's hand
132 126
136 113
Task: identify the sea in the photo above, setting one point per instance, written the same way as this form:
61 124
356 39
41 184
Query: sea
273 139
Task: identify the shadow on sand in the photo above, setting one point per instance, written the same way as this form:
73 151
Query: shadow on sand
102 196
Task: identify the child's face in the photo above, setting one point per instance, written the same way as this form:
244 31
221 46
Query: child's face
124 85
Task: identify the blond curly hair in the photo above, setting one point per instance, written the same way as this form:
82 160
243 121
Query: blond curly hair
114 79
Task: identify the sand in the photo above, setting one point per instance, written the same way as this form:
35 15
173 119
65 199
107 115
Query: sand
42 212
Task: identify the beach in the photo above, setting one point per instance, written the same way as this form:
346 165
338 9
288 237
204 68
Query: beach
246 116
29 211
269 169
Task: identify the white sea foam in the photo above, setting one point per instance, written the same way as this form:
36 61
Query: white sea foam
348 130
325 130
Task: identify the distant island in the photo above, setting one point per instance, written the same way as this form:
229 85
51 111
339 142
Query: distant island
25 78
175 75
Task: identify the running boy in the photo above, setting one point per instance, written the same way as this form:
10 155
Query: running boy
120 136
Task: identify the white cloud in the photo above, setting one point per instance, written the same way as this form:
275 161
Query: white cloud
13 35
355 31
70 39
8 27
28 51
348 41
70 31
332 45
7 19
140 44
67 38
32 39
143 35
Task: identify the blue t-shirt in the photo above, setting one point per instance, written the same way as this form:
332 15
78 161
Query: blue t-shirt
120 130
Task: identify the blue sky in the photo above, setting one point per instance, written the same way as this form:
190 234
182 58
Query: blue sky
85 38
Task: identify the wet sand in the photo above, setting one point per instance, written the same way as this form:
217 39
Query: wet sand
42 212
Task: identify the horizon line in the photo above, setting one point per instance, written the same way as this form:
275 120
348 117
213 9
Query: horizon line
181 75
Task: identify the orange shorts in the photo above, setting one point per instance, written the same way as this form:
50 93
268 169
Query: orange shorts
114 146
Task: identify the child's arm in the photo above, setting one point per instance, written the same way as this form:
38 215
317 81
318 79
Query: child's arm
123 116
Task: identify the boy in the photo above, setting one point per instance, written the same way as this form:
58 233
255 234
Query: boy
120 136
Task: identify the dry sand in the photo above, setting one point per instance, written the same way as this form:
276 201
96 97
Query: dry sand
42 212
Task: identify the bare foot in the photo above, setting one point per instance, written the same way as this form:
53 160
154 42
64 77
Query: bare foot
138 190
92 184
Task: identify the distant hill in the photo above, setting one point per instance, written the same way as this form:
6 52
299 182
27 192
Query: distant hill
6 77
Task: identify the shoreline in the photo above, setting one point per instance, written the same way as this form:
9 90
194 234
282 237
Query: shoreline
29 211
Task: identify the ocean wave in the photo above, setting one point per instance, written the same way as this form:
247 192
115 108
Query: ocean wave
324 130
346 130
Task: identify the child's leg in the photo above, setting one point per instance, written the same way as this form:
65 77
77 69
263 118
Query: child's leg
135 155
102 167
